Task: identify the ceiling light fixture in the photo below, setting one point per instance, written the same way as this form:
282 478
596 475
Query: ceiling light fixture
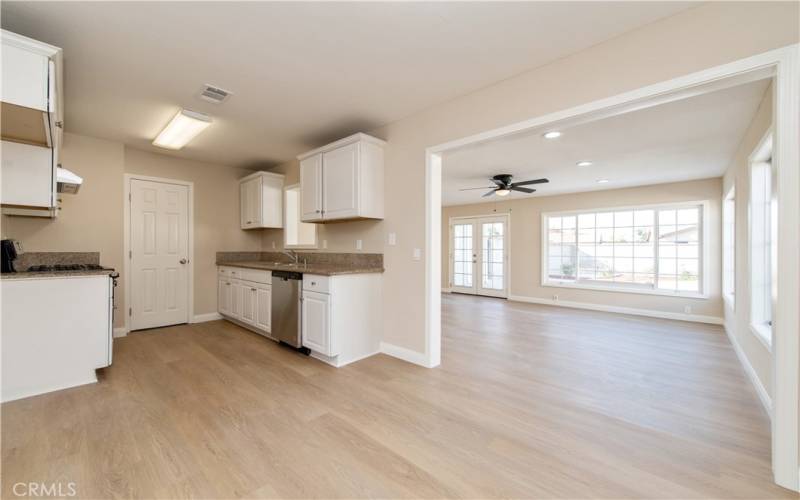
502 192
602 181
584 163
554 134
181 129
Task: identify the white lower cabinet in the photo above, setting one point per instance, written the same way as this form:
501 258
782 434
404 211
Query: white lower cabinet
342 316
316 323
244 301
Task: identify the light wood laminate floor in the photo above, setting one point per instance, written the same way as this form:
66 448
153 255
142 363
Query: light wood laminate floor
530 401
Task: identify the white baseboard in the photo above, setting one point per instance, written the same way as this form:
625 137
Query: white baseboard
697 318
202 318
120 332
398 352
766 401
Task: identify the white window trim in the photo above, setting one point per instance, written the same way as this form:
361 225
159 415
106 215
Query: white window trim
287 246
730 299
761 153
704 252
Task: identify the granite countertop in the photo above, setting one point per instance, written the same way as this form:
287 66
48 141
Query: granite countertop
28 275
324 269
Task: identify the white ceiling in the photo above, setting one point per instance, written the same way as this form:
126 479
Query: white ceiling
692 138
302 73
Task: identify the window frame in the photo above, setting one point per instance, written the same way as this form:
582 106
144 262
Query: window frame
761 155
704 255
284 201
729 241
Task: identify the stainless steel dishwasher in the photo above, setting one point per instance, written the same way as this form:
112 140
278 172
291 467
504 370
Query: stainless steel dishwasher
285 326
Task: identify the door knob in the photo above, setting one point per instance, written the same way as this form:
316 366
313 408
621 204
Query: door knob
183 261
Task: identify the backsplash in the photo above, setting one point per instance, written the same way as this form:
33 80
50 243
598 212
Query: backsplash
344 259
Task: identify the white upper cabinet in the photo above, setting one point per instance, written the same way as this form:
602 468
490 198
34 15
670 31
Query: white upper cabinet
311 188
343 180
32 125
261 200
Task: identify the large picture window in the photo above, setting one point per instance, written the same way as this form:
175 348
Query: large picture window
649 249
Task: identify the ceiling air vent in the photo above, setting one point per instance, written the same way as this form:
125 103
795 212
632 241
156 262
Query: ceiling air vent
214 94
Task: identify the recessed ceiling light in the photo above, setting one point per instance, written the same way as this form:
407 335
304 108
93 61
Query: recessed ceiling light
502 192
602 181
181 129
553 134
584 163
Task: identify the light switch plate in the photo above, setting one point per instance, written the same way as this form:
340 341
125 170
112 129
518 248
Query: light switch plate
324 244
393 239
273 245
417 253
359 244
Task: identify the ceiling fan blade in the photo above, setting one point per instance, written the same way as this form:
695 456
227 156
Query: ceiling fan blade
489 193
527 183
521 189
470 189
499 182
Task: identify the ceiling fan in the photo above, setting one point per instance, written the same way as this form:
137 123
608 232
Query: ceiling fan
503 185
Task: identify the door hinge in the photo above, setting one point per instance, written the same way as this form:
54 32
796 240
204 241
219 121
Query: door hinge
129 197
130 311
130 254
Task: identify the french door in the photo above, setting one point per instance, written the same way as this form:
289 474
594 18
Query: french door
479 255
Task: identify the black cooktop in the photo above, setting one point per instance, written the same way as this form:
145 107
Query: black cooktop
65 267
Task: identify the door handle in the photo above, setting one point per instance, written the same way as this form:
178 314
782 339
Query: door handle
183 261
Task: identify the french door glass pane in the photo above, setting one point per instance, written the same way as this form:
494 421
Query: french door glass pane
462 255
493 255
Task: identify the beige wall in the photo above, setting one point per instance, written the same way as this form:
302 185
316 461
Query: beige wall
699 38
737 320
92 220
525 242
335 237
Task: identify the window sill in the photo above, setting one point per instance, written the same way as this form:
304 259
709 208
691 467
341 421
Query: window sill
638 291
763 334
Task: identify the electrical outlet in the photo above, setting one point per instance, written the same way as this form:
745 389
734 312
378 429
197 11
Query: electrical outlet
687 309
392 239
555 298
417 255
324 244
359 244
273 245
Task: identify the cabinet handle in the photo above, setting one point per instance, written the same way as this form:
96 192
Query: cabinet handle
318 211
252 289
313 283
228 284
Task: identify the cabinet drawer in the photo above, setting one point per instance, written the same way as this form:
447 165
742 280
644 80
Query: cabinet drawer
316 283
255 275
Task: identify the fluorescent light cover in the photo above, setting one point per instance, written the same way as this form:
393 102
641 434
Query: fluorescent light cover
182 129
602 181
584 163
552 135
502 192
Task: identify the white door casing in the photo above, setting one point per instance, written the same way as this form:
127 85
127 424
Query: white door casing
159 254
479 255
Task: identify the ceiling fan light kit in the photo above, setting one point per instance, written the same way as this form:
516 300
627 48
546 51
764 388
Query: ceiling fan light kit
503 185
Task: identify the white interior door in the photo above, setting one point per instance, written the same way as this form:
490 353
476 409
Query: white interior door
159 254
479 256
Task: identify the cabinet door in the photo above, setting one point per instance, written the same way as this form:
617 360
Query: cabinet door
27 173
316 322
248 304
340 182
244 205
255 201
311 188
24 78
263 307
237 298
224 296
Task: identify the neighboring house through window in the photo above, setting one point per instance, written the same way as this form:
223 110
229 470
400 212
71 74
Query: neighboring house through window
644 249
